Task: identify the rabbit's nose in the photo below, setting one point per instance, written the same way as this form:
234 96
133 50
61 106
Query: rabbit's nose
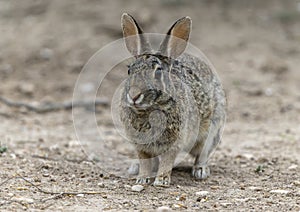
135 96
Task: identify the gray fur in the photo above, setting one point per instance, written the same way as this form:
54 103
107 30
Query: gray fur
153 82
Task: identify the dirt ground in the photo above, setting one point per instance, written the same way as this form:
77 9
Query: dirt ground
255 47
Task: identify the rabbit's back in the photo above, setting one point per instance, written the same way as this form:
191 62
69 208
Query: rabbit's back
203 82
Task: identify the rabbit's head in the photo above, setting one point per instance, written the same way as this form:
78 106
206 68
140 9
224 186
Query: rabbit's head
150 80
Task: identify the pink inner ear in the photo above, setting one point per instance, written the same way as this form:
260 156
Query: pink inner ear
181 30
129 26
135 42
176 40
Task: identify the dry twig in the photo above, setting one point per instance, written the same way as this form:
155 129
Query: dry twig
50 192
59 193
59 159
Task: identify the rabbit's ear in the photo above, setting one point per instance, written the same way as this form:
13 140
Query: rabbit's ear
177 37
135 41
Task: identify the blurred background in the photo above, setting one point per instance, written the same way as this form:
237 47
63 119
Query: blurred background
254 46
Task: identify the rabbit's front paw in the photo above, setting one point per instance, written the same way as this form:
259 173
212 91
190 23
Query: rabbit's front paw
133 169
201 172
143 180
163 180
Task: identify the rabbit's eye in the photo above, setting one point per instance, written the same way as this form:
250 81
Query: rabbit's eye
129 71
158 73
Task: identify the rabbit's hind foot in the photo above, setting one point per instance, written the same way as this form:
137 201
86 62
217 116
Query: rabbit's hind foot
201 172
163 180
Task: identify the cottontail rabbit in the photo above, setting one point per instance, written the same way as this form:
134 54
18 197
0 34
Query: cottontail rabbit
151 76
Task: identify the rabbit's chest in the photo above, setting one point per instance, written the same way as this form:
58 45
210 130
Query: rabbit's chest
170 123
158 135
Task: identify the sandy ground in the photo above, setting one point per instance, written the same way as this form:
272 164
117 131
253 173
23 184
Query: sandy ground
255 48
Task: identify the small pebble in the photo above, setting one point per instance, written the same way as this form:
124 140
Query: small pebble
80 195
10 194
46 54
293 167
248 156
163 209
74 143
279 191
137 188
269 92
215 187
26 88
101 185
181 197
46 175
54 147
225 204
297 183
177 206
127 186
253 188
23 200
202 193
245 199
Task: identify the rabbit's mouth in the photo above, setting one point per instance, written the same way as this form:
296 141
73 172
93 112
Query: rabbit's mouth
139 107
141 101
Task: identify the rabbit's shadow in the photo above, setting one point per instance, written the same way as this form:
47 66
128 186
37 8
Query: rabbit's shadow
219 169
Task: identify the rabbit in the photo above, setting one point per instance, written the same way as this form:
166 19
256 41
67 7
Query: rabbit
147 107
